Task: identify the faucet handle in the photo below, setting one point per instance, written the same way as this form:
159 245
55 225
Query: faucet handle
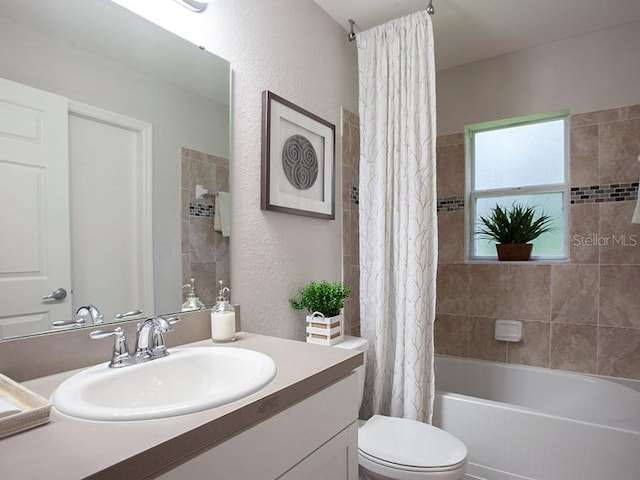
172 320
164 325
133 313
80 322
98 334
161 326
120 355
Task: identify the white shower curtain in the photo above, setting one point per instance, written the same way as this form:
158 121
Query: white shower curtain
398 222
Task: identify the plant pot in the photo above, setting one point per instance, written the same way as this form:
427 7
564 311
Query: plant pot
324 330
513 252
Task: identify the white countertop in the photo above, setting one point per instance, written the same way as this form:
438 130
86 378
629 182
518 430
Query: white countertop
67 448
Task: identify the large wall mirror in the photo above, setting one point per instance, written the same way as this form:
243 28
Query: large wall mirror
114 166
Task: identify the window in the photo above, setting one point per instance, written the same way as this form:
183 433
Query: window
521 160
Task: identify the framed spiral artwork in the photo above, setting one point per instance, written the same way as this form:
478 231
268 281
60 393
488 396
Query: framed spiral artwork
298 160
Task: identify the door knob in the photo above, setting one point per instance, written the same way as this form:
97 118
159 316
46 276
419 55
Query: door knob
57 294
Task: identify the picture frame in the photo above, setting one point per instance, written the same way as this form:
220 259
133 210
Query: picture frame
298 160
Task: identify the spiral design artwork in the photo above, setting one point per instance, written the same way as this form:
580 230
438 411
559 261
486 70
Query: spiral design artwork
300 162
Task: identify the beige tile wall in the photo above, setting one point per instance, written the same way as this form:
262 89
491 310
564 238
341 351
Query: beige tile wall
582 316
205 252
350 219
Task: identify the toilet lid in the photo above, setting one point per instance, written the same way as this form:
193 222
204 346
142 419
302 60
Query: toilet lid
410 443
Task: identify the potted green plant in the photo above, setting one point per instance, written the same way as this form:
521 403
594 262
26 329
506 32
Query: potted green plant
513 230
324 302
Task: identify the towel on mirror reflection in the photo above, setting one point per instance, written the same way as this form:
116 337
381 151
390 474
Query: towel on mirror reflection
216 214
222 215
636 214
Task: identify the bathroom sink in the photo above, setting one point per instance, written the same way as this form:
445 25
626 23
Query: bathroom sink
188 380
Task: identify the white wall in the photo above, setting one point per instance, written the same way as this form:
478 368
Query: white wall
590 72
294 49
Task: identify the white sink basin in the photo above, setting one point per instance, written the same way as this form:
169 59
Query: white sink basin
186 381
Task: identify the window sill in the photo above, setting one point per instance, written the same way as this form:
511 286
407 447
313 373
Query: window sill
533 261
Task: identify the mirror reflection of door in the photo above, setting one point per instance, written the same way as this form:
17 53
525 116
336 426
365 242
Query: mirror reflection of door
110 177
34 213
107 158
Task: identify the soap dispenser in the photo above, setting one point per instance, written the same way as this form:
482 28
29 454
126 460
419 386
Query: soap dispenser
223 318
193 302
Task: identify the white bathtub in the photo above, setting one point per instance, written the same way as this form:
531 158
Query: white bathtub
523 422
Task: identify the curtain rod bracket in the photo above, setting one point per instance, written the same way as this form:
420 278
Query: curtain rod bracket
352 34
430 9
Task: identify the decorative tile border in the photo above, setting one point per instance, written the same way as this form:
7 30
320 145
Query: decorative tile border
354 195
613 192
445 204
450 204
200 210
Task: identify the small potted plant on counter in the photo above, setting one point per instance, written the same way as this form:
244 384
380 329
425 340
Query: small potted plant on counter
513 230
324 302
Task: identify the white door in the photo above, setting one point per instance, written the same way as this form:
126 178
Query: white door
110 211
34 209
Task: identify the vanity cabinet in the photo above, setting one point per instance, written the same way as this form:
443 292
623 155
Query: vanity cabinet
315 439
300 426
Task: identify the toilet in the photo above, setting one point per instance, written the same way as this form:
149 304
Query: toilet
401 449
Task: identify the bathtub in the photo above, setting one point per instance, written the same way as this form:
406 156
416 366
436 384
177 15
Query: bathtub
522 423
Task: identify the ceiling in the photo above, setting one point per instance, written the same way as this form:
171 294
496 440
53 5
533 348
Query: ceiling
112 31
470 30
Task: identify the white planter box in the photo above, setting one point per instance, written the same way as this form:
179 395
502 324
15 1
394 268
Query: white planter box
325 331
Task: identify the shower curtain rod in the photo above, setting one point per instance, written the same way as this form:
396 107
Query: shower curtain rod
352 35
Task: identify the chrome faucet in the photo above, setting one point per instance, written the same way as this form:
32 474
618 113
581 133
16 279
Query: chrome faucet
88 312
150 342
92 312
150 337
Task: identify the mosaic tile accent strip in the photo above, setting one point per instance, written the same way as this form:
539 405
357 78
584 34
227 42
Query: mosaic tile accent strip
200 210
450 204
354 195
614 192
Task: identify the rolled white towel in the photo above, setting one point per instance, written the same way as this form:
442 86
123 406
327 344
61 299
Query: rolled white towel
222 215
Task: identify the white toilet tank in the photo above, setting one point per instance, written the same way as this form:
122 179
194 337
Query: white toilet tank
360 344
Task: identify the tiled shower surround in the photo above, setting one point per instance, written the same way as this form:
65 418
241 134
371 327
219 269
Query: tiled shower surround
350 219
205 252
582 315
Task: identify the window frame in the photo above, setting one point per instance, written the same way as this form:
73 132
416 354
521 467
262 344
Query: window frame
471 194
